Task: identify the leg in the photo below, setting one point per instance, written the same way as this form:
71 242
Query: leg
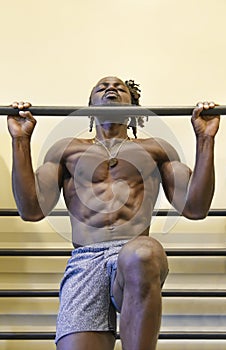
86 319
142 269
87 341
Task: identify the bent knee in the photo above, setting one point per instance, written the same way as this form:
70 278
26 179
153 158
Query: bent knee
146 256
141 250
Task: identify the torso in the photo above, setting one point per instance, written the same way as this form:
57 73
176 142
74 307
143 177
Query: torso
107 203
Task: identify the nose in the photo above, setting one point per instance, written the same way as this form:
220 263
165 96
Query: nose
111 87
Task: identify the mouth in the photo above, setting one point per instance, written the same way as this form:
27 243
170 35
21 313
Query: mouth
111 94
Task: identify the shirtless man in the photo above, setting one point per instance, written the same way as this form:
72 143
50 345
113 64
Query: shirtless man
110 186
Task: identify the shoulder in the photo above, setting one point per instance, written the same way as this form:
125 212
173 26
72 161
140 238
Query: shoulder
159 149
64 146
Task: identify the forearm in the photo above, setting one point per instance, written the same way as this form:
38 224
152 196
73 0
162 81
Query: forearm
201 186
23 180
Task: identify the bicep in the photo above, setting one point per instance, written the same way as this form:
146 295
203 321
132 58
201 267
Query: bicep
175 180
48 185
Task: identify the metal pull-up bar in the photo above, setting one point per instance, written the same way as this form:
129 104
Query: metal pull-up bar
112 111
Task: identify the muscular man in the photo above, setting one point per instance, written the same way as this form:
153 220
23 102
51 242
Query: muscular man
110 185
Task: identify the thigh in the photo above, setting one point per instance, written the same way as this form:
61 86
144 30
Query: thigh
87 341
125 257
85 304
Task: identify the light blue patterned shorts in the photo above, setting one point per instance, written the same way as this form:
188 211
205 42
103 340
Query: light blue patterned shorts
86 302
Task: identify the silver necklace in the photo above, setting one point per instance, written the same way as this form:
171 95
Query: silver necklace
112 161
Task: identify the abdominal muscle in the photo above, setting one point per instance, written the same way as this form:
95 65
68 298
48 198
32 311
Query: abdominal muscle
113 209
109 203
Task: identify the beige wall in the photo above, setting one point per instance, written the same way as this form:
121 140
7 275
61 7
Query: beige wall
53 52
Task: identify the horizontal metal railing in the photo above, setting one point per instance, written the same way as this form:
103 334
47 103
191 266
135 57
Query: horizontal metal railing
162 335
126 110
54 293
67 252
160 212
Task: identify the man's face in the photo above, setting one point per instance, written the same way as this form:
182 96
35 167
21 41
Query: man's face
110 91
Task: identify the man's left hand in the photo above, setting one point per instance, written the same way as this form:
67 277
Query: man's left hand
205 125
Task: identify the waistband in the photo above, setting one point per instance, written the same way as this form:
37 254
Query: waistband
99 246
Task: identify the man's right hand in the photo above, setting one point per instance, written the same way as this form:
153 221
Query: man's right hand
21 125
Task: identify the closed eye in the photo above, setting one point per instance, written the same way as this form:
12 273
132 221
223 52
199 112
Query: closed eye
104 86
100 89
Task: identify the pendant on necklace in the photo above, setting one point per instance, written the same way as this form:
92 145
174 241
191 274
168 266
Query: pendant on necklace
112 162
